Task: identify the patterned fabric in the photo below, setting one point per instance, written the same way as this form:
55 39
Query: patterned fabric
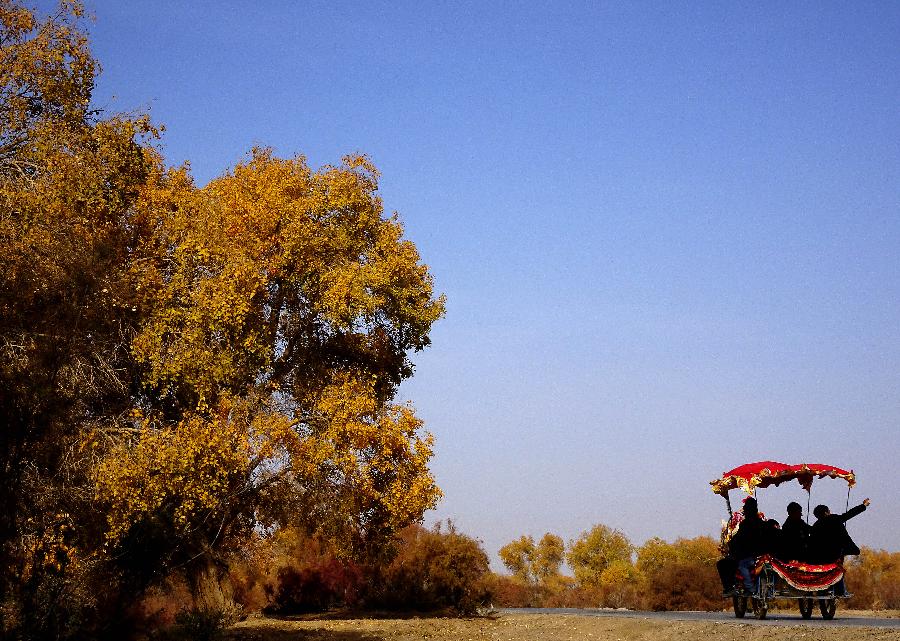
803 576
765 473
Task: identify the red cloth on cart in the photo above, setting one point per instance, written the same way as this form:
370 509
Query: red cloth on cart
765 473
804 576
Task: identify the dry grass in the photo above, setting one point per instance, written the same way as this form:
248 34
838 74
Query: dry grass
545 628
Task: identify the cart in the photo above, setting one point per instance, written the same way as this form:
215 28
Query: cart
808 583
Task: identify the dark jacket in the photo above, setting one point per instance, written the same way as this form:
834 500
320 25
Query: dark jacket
794 540
772 541
829 540
751 538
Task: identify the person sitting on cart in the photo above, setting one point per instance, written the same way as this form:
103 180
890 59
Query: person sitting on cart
829 540
772 543
750 541
794 535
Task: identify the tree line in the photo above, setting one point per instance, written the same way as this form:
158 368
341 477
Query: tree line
609 571
442 570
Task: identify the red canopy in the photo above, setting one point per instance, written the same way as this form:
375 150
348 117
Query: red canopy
765 473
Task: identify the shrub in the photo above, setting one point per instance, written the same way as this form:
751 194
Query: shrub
433 570
322 585
679 576
78 600
291 572
874 579
508 591
201 624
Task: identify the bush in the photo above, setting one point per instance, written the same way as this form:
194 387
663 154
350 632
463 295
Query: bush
508 591
290 573
315 587
78 600
433 570
160 606
681 575
205 624
874 579
425 570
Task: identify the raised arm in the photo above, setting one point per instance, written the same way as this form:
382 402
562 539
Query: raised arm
859 509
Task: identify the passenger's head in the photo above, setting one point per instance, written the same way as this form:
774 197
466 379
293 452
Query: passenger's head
820 511
750 507
794 509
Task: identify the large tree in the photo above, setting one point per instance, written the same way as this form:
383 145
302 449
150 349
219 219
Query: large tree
181 365
68 181
278 305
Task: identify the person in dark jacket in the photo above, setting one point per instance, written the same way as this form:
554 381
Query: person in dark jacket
829 540
749 542
794 535
772 541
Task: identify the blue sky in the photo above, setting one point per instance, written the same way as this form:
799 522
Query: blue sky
668 233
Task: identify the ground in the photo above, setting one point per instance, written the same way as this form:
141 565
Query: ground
542 627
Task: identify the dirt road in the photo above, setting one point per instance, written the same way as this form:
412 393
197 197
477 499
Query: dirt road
546 627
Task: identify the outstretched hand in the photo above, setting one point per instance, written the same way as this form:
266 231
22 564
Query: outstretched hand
866 502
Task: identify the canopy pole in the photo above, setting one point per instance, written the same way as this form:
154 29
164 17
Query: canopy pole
847 507
808 493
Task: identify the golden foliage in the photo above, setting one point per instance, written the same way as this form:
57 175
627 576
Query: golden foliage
534 563
518 557
874 579
252 271
290 289
179 364
377 450
182 475
679 575
46 77
594 551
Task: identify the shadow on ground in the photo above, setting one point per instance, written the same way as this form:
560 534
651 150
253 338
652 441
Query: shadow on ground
264 632
347 626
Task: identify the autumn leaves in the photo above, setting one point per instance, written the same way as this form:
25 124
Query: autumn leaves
181 365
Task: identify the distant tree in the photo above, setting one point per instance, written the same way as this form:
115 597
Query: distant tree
655 553
534 563
548 557
596 550
874 579
679 575
518 557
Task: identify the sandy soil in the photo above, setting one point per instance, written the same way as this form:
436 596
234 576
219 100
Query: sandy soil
550 627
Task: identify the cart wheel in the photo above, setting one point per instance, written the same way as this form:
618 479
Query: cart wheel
806 608
740 605
760 609
827 607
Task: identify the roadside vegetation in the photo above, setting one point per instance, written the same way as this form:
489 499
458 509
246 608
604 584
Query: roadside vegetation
608 571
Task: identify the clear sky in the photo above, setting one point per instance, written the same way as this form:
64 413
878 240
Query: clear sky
669 233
